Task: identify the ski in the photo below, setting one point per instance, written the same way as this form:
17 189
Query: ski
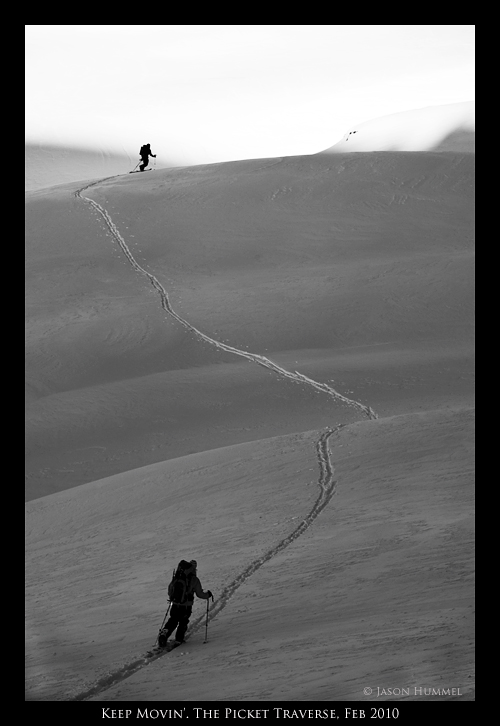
138 171
165 649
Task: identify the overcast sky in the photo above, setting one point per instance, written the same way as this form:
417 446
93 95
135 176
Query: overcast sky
208 93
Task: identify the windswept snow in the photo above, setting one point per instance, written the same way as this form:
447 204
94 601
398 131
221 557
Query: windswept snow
439 128
350 276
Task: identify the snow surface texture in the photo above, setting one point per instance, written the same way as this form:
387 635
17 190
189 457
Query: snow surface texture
326 481
376 592
256 358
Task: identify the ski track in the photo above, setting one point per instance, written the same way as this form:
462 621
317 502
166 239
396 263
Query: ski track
326 481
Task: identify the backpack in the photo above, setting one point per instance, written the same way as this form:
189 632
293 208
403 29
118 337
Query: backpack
178 588
145 150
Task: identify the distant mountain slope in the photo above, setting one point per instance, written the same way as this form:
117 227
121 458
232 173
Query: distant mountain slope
48 165
435 128
460 140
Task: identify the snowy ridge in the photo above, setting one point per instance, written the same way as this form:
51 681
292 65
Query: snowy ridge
326 481
421 129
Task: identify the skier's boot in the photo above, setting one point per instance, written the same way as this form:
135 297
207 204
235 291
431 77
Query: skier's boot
163 638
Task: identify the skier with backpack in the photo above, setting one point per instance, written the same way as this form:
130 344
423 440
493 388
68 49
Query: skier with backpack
145 153
181 591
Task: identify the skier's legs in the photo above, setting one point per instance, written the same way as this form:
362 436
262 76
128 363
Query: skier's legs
145 162
176 613
183 623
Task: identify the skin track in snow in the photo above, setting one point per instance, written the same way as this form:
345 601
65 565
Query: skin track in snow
326 480
254 357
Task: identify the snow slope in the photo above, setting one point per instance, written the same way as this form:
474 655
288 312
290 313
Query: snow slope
354 269
437 128
338 545
376 592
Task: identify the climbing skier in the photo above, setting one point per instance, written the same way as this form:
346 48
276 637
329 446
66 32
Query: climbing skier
145 153
181 591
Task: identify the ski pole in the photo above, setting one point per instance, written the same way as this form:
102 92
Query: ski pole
166 614
164 621
206 626
135 167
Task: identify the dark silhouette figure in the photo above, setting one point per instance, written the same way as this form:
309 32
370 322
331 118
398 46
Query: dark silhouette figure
180 612
145 153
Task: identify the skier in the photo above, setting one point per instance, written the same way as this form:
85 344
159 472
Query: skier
145 153
181 591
